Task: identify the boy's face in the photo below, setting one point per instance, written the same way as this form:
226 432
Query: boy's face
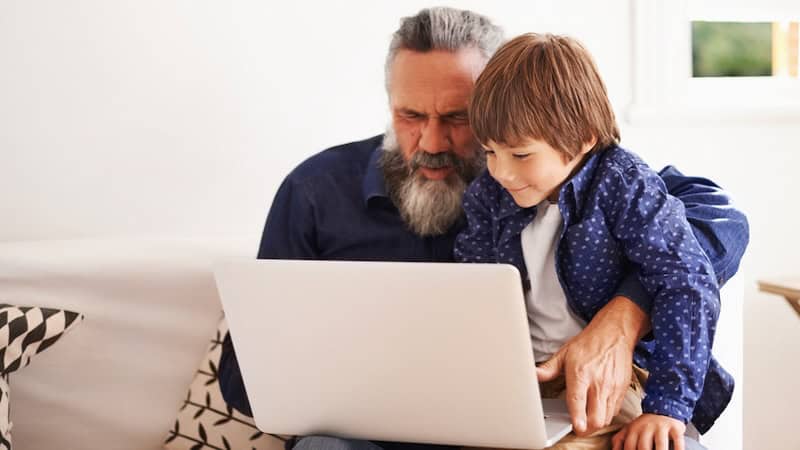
532 172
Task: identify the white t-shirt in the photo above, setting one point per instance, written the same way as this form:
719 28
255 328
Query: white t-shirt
551 321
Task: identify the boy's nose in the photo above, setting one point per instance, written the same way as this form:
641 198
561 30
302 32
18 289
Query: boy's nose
504 174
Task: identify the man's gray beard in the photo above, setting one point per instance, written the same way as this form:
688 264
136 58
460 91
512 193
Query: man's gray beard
428 207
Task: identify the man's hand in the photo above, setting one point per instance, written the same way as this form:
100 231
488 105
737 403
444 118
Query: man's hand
597 364
650 432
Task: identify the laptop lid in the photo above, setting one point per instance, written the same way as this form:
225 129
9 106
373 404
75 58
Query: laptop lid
417 352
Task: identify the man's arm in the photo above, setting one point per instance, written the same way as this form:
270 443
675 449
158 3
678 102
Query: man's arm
721 229
288 234
597 361
597 364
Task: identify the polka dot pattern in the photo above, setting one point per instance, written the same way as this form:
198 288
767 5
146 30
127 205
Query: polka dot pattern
618 215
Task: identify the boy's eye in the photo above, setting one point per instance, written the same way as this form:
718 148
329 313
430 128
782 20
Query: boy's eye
488 152
521 155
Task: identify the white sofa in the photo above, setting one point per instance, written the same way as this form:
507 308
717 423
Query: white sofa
116 382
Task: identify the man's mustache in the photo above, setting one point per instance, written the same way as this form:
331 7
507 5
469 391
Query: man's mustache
421 158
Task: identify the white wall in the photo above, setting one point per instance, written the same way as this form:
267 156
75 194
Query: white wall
182 116
758 164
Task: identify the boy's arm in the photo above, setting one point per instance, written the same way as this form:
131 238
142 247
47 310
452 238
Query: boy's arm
598 351
288 234
656 237
475 244
721 230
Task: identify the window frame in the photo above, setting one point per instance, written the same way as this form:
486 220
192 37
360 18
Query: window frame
663 87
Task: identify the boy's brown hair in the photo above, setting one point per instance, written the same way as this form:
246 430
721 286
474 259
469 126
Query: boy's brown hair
544 87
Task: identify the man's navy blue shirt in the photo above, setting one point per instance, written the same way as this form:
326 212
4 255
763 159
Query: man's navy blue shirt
335 206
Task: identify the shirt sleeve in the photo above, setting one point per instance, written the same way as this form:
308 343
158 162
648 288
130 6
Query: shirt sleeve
656 237
721 230
290 230
475 244
288 234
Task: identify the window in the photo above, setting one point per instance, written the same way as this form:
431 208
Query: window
744 49
716 59
731 49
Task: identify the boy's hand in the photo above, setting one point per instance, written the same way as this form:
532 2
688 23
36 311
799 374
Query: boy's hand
650 432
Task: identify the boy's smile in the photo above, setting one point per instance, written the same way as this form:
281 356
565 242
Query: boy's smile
533 171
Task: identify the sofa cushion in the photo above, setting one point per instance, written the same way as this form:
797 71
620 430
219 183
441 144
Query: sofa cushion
26 331
206 421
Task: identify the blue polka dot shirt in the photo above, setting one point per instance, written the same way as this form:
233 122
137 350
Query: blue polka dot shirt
619 218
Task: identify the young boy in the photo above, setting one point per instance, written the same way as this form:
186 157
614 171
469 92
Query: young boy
574 212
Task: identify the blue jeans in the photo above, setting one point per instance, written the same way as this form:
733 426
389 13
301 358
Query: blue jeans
333 443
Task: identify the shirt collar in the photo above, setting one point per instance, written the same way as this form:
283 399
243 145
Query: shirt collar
508 207
572 192
374 183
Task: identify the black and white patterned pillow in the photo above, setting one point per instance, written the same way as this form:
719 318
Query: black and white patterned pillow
24 332
205 421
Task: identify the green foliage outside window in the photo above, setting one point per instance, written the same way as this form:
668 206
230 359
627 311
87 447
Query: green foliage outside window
731 49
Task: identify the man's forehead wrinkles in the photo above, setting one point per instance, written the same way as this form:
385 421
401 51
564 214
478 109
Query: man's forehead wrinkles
442 108
444 113
432 99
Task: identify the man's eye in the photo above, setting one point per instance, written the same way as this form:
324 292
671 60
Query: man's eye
458 118
412 116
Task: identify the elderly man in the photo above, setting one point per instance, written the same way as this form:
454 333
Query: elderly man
397 197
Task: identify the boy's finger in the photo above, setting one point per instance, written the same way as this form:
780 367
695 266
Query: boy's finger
677 438
662 439
619 439
646 439
631 440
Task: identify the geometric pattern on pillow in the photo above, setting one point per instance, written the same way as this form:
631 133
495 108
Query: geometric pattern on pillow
5 411
26 331
205 421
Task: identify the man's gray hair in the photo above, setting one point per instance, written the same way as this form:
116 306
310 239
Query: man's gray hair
444 28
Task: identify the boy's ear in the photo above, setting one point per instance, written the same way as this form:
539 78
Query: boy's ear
588 145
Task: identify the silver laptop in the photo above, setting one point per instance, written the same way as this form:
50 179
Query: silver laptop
416 352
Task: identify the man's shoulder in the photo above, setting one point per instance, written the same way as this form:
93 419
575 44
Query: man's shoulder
349 158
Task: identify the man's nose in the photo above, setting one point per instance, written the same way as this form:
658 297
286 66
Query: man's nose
435 137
